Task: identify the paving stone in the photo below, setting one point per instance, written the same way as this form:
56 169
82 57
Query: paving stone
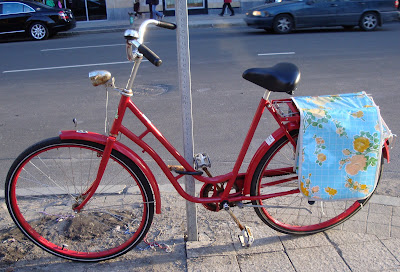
380 230
346 237
369 256
396 211
293 242
381 218
395 232
198 249
355 226
393 245
323 258
395 221
272 261
212 264
378 208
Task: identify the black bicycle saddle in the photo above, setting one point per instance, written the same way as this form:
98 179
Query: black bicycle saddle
283 77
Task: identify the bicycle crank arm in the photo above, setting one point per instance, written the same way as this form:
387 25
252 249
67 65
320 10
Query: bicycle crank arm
246 237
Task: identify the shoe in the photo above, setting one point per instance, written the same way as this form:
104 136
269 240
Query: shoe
232 14
220 14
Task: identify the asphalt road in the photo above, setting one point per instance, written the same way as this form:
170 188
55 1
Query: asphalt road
44 85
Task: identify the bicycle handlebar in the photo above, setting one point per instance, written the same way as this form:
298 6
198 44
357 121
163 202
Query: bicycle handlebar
136 38
150 55
166 25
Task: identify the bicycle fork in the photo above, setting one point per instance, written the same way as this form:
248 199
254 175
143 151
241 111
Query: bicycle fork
102 167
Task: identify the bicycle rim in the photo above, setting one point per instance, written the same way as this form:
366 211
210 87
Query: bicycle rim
293 213
49 178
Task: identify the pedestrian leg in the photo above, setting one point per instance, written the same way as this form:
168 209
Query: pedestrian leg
231 9
223 9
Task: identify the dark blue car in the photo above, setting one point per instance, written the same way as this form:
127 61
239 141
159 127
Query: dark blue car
285 16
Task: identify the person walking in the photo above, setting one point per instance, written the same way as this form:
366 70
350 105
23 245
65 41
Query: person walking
154 4
227 3
148 2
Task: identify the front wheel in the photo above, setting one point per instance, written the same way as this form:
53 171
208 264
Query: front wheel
289 211
49 179
369 21
283 24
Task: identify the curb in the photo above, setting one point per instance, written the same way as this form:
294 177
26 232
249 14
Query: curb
120 28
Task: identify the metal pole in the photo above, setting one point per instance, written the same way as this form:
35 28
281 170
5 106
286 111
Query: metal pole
187 118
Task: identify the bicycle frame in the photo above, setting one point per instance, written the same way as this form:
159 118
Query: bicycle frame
243 180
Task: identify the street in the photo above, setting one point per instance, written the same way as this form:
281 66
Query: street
44 85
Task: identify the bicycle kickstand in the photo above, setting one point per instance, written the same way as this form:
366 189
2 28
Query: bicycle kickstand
246 237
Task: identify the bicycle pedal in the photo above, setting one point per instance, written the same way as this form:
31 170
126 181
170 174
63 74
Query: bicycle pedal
201 160
246 237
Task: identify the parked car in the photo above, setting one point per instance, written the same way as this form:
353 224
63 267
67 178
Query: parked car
285 16
33 18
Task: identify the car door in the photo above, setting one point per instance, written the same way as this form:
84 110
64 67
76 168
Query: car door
349 11
316 13
13 17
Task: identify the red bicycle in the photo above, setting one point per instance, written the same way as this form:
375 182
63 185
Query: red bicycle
87 197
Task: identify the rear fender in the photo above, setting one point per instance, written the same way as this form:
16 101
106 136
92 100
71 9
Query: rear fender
385 151
270 141
102 139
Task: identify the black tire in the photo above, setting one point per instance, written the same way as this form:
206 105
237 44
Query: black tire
293 213
49 179
283 24
369 21
38 31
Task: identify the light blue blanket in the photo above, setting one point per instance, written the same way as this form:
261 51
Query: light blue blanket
339 147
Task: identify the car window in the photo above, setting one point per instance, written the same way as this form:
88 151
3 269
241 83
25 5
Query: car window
12 8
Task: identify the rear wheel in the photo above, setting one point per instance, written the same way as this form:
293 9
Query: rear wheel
51 178
369 21
38 31
293 213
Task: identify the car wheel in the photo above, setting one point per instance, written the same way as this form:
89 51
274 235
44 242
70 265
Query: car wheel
283 24
369 21
38 31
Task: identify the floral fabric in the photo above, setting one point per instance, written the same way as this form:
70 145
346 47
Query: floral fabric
339 148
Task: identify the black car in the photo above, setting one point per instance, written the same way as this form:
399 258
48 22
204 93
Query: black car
285 16
33 18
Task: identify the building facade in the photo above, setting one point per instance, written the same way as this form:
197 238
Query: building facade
89 10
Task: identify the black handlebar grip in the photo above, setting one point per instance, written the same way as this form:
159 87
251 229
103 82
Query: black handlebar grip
166 25
150 55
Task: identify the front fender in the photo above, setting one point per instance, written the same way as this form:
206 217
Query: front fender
101 139
270 141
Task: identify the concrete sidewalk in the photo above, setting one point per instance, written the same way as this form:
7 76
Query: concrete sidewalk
104 26
366 242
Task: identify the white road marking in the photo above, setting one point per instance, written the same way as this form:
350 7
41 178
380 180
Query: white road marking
273 54
65 67
81 47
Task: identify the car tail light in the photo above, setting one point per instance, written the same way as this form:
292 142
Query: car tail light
64 16
396 4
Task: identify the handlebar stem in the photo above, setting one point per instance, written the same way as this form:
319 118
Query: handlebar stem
137 60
